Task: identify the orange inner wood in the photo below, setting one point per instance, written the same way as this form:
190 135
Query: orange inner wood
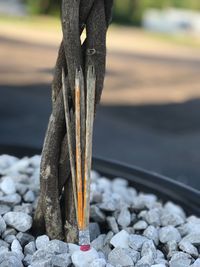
78 163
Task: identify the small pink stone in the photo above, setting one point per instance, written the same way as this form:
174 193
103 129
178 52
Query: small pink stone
85 247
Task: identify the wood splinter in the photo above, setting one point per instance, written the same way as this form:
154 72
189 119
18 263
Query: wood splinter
80 164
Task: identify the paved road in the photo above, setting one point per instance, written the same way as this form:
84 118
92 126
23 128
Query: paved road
158 136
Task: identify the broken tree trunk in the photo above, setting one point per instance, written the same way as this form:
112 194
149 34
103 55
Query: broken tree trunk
55 213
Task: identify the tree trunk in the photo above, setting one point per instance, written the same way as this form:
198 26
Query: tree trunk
55 213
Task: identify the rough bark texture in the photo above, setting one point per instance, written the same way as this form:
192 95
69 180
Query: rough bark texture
55 213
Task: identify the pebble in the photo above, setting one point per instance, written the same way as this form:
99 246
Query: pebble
133 226
149 249
9 231
8 186
145 261
29 196
27 260
192 238
3 244
110 202
41 241
187 247
84 258
21 188
56 246
169 218
158 265
175 209
25 207
108 237
30 248
136 241
61 260
94 230
118 256
4 209
41 258
112 224
152 233
153 217
9 238
169 233
18 220
72 248
98 263
120 240
171 247
24 238
180 259
2 225
140 225
6 161
196 263
10 259
11 200
16 247
124 218
3 249
96 214
98 243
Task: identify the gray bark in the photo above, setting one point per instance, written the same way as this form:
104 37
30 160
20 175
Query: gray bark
55 213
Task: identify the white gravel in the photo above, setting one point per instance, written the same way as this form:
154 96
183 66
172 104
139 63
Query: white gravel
128 228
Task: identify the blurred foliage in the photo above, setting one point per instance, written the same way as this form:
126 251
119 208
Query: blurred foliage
125 11
43 6
131 11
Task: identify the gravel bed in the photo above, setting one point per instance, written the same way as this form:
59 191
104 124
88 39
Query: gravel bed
128 228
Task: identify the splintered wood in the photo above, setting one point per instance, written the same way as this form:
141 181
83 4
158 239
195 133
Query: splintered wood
80 163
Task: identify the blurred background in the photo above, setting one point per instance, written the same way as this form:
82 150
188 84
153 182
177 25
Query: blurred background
150 110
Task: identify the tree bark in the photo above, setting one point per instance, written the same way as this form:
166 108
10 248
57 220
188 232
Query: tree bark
55 212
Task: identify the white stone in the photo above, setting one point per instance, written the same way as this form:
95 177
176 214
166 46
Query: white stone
29 196
18 220
17 167
136 241
180 259
193 239
8 186
41 241
187 247
15 246
120 257
140 225
158 265
152 233
84 258
98 263
11 199
30 248
120 240
169 233
73 248
124 218
173 208
196 263
6 161
2 225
